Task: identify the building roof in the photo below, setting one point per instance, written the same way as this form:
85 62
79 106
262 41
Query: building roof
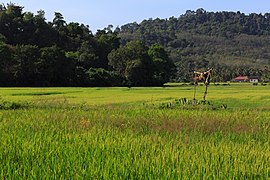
254 77
241 78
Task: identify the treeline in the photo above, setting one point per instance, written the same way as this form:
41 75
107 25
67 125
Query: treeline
232 42
34 52
37 52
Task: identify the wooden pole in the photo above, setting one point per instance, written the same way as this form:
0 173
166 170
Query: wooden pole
194 91
204 96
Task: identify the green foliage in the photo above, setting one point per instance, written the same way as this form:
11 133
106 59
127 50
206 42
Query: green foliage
163 67
232 42
54 69
2 38
57 53
184 103
150 53
101 77
141 65
6 64
25 71
106 42
132 63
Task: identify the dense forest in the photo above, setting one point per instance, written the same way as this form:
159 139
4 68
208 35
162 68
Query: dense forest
34 52
231 42
37 52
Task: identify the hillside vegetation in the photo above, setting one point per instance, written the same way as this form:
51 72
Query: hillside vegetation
232 42
37 52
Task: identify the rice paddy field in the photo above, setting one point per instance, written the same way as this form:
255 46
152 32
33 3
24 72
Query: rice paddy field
135 133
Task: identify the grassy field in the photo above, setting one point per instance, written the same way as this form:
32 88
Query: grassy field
135 133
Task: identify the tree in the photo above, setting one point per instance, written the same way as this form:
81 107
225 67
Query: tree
26 57
106 42
136 73
54 68
101 77
77 35
6 65
87 57
58 21
163 67
44 35
11 25
2 38
265 74
132 63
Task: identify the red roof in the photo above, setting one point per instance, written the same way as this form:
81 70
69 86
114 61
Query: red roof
241 78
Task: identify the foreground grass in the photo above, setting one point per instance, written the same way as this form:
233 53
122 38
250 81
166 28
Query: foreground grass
61 137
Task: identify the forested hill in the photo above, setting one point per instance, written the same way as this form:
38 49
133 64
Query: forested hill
232 42
38 52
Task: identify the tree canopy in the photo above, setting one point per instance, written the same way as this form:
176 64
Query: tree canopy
232 42
37 52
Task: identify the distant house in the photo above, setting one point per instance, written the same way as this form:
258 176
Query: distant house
254 79
240 79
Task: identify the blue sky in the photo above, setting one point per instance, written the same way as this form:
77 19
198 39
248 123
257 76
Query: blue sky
100 13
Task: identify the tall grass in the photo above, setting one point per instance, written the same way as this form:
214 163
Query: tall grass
63 137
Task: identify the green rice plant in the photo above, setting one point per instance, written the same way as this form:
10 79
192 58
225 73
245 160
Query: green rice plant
85 134
184 103
12 105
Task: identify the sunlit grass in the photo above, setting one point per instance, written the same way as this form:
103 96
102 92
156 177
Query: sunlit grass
102 96
115 133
